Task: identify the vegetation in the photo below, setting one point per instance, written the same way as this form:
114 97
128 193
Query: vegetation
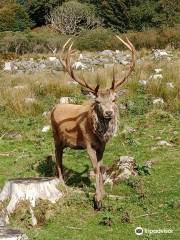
44 40
151 200
119 15
72 17
13 17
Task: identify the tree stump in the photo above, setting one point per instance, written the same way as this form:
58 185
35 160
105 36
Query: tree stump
11 234
29 189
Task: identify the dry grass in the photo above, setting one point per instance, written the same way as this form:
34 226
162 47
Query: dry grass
46 88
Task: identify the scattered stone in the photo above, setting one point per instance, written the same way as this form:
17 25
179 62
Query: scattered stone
107 53
143 82
128 130
7 66
81 57
20 87
156 76
122 106
158 101
148 164
164 143
46 128
45 114
121 170
30 100
79 66
159 54
158 70
52 59
108 65
170 85
11 234
65 100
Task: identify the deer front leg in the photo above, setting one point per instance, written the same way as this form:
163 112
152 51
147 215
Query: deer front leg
59 154
102 170
98 195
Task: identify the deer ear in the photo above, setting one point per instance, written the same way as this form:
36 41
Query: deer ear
88 93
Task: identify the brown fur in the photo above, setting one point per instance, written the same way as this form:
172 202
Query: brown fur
85 127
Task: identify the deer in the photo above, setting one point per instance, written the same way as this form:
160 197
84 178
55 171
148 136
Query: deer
88 127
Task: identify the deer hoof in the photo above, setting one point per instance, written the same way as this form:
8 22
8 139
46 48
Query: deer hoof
97 205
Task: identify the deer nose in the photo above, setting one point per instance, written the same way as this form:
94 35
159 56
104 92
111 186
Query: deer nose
109 113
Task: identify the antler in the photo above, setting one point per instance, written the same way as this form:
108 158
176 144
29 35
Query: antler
68 68
130 46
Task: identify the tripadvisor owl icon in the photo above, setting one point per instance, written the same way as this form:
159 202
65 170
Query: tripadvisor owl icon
139 231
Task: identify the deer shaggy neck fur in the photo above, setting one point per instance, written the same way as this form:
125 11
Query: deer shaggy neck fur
102 127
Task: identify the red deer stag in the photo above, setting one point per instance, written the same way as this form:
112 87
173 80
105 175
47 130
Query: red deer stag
88 127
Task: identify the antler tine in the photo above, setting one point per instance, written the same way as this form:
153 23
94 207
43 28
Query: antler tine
130 46
68 67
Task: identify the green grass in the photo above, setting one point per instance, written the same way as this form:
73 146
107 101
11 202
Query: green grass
152 201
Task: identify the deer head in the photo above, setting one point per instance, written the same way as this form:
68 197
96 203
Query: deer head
104 100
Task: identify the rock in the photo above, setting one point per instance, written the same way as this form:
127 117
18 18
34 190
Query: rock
81 57
158 54
79 66
122 106
164 143
107 53
128 130
52 59
148 164
46 114
143 82
158 101
11 234
30 100
108 65
170 85
124 62
20 87
7 66
158 70
156 76
121 170
65 100
46 128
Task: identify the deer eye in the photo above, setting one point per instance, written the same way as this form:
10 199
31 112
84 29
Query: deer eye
114 100
98 102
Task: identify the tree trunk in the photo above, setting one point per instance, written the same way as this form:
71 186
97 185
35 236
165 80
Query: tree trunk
29 189
11 234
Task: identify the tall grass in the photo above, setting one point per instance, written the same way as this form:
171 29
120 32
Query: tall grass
46 88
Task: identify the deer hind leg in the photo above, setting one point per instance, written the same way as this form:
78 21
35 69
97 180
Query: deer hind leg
59 155
98 194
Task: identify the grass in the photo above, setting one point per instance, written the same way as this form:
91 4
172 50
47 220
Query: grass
152 201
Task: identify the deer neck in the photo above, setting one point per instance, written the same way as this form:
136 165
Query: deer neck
102 127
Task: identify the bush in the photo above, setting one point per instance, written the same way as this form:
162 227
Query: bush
13 18
72 17
92 40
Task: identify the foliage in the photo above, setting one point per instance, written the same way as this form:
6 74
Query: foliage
140 15
72 17
13 17
38 9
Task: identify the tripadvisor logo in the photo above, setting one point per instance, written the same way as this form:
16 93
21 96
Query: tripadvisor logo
139 231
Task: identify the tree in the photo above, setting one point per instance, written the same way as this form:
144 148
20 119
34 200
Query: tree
13 17
72 17
38 9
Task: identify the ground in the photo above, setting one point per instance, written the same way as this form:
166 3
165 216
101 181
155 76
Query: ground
151 200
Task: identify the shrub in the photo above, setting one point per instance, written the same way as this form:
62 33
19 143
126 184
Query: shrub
72 17
13 17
